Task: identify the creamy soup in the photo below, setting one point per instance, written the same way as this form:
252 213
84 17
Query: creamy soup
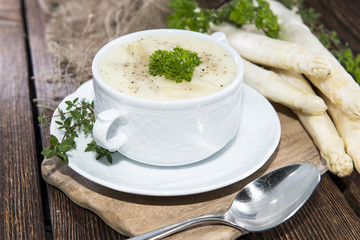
126 68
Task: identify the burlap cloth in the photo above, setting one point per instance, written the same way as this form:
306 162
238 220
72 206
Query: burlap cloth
76 31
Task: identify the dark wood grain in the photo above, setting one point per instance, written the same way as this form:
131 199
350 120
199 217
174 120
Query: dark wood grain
20 199
68 221
350 188
341 16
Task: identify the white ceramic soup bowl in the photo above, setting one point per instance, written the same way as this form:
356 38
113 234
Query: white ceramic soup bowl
166 133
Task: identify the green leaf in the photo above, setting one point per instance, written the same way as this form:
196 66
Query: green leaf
69 105
84 113
62 157
65 148
75 114
46 151
53 141
67 122
59 123
109 158
68 141
74 134
90 147
51 153
61 113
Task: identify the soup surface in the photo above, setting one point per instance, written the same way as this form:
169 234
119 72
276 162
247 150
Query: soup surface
126 68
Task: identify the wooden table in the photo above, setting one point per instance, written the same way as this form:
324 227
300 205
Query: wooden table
31 209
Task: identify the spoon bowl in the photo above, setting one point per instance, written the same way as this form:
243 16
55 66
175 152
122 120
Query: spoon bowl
262 204
273 198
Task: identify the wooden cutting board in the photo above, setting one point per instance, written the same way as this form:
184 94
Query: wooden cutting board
132 214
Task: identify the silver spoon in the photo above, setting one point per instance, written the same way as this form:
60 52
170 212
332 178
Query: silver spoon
262 204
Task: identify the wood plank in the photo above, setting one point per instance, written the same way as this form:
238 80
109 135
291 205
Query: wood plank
341 16
20 198
350 187
68 221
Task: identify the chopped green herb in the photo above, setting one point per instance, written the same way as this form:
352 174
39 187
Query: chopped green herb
244 12
177 65
188 15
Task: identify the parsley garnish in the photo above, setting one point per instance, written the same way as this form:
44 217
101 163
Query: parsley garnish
188 15
177 65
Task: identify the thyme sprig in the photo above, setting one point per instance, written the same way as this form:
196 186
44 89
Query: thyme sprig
77 117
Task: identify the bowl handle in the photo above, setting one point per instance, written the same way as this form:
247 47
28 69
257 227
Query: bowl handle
103 123
220 36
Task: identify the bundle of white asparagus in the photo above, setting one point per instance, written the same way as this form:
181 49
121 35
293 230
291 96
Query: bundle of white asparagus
279 70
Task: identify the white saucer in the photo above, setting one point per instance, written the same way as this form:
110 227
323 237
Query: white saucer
257 139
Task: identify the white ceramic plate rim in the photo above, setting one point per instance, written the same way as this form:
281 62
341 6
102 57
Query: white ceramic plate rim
191 185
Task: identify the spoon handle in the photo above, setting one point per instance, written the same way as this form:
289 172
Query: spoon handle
177 227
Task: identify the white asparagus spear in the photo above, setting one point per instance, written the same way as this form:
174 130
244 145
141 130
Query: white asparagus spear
267 51
277 90
322 131
339 86
349 130
326 138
